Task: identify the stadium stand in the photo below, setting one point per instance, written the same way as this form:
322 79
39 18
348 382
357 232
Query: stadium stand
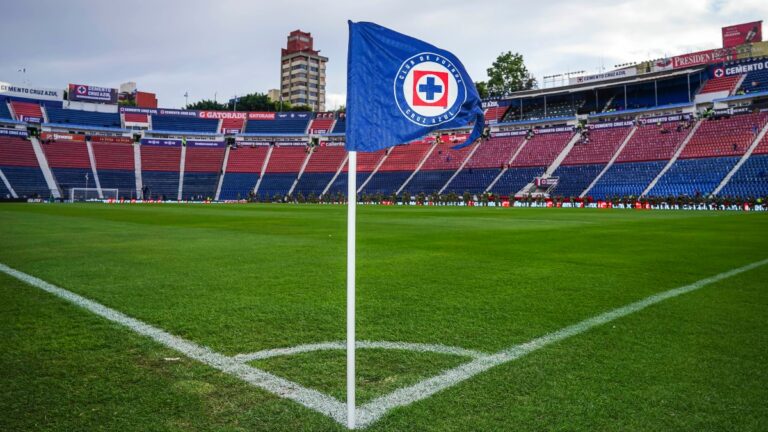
485 164
725 136
115 167
26 110
202 167
83 118
366 163
542 149
160 171
396 169
184 124
693 177
321 124
755 82
19 164
514 179
321 168
282 170
70 164
751 180
340 126
438 168
242 171
726 84
281 126
232 125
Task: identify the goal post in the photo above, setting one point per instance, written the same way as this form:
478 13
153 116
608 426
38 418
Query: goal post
90 194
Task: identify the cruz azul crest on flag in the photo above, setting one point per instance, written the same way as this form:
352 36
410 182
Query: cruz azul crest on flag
429 90
400 89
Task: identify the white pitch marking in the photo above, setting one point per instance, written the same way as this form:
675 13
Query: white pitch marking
340 345
424 389
374 410
313 399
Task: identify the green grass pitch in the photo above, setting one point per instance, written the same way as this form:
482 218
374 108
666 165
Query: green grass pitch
246 278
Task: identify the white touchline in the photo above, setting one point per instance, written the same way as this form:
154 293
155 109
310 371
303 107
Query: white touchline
372 411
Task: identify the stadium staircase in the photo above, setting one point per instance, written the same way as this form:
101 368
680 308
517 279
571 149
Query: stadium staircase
532 188
758 139
610 162
506 166
418 167
263 170
137 171
336 175
673 159
475 146
92 158
182 165
7 185
375 169
42 161
301 172
223 173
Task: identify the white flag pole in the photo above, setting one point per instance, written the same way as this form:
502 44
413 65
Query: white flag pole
351 224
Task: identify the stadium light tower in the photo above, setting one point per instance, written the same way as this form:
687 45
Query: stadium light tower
186 99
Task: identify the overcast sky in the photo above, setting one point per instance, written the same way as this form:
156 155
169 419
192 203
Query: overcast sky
225 47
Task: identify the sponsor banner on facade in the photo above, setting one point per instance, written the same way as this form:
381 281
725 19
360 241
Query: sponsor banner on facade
665 119
606 125
112 139
208 144
16 90
29 119
222 115
88 93
741 34
158 111
161 142
509 133
56 136
619 73
741 68
703 58
554 130
261 115
12 132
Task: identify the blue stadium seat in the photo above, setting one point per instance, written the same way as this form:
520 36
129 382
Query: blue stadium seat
69 178
276 184
472 180
313 183
286 126
575 178
27 181
340 184
199 185
693 176
4 192
626 179
340 126
184 123
162 184
77 117
515 179
751 180
238 185
5 113
387 182
122 180
429 181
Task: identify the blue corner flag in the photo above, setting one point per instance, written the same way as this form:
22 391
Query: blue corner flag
399 89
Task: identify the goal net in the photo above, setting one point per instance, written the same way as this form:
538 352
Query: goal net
88 194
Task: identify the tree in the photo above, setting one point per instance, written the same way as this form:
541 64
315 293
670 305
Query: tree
207 104
508 74
296 108
482 89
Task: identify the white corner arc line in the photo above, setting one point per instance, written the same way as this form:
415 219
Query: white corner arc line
372 411
312 399
428 387
341 345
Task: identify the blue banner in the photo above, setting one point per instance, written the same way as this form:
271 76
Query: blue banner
399 89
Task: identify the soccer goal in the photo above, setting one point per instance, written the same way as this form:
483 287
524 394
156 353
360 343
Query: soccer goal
88 194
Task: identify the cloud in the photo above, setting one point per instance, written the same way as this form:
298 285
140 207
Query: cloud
232 47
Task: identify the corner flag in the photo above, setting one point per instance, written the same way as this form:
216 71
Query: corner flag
400 89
